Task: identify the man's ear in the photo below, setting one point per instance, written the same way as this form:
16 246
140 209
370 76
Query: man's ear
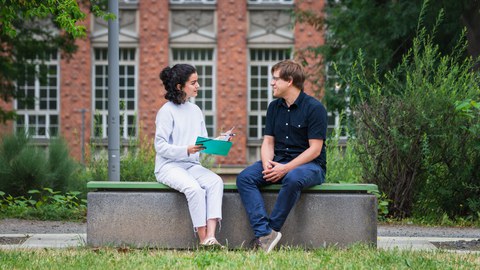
179 87
290 81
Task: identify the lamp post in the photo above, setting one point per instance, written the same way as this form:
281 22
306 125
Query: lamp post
113 96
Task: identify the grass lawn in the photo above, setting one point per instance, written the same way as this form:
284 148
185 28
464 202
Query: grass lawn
356 257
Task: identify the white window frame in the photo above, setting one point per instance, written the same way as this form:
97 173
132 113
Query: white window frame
337 122
211 128
193 1
39 129
254 142
259 113
263 2
125 113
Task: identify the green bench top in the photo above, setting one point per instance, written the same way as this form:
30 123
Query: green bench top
151 186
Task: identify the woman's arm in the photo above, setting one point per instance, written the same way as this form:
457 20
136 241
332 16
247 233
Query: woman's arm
163 132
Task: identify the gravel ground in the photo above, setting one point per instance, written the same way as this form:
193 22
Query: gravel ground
419 231
19 226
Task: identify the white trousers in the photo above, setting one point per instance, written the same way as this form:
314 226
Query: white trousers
202 187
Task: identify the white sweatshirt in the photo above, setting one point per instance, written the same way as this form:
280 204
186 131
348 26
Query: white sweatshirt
177 127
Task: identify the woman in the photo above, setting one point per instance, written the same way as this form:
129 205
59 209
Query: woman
178 123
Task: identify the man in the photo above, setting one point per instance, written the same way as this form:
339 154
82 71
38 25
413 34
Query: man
293 153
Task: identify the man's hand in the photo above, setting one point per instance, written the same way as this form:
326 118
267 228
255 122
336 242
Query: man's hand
274 171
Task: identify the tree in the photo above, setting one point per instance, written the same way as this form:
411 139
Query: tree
29 30
384 31
405 84
417 132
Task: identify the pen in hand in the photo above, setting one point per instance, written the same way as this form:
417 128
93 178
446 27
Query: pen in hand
228 135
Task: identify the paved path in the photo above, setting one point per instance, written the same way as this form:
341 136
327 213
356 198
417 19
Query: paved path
78 240
41 234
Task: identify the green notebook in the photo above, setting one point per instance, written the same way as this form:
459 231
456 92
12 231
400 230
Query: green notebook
214 147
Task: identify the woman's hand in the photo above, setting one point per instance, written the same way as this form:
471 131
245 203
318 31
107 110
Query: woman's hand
192 149
225 137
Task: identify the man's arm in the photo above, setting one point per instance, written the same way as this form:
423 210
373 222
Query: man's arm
277 170
267 151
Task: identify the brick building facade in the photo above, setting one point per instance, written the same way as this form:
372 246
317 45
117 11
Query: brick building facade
232 43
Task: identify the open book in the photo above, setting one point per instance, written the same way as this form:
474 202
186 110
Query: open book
214 146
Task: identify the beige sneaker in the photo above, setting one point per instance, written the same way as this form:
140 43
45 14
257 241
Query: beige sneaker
211 243
268 242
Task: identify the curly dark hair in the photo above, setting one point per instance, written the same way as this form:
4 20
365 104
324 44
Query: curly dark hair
171 77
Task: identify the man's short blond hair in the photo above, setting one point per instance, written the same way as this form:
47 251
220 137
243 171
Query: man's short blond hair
290 70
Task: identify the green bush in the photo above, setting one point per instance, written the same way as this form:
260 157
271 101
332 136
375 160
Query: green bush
413 141
137 163
61 166
24 166
43 205
343 165
97 166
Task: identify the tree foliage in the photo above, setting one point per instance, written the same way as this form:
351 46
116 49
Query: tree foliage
384 30
413 140
64 14
30 30
413 95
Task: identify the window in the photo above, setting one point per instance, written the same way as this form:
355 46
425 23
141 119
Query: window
127 92
202 60
260 94
335 120
193 1
260 91
128 4
288 2
37 103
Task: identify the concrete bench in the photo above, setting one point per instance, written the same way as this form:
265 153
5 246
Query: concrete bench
150 214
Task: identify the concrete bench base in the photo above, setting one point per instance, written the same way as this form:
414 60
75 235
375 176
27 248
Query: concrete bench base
161 219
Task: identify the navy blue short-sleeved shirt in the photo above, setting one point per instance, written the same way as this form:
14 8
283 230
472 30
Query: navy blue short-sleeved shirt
293 126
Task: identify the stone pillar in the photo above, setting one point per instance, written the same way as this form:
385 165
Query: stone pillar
76 93
232 76
153 57
307 36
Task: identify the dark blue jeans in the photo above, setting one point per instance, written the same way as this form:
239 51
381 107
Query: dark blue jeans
249 181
